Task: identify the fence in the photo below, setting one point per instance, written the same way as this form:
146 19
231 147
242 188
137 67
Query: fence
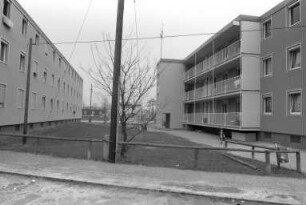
38 139
196 149
268 152
199 148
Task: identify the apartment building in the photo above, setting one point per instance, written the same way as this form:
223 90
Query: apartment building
283 76
55 87
247 80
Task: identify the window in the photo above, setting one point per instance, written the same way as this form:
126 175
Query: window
45 76
7 8
294 57
46 49
20 98
57 106
294 13
35 69
267 66
295 139
33 100
37 40
59 84
43 102
4 51
51 104
295 102
64 89
267 104
52 80
267 29
63 106
53 57
59 62
2 95
22 62
24 27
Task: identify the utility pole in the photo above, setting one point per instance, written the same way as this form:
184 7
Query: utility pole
90 108
116 77
26 107
161 41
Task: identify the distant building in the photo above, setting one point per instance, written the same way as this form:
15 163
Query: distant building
248 79
95 113
55 88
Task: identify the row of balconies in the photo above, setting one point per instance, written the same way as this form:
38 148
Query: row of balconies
232 119
218 88
213 60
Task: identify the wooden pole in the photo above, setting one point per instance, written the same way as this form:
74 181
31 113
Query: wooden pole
268 163
253 153
26 107
90 108
116 78
298 162
89 151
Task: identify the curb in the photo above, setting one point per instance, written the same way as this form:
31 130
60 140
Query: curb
141 188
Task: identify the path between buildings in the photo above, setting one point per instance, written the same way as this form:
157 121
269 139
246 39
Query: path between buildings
214 141
224 185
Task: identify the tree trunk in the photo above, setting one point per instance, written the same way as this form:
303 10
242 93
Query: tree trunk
124 139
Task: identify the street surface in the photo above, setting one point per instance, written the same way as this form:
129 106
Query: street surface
19 190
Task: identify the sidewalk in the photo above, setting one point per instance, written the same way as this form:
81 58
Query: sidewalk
214 141
224 185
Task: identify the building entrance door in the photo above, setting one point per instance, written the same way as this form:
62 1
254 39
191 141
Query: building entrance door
167 120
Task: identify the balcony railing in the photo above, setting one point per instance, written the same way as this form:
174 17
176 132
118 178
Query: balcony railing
189 95
218 58
228 85
232 119
221 87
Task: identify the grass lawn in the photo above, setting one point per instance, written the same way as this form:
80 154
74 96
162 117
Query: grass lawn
213 161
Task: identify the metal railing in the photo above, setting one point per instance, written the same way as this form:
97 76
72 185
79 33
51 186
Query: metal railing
232 119
213 60
221 87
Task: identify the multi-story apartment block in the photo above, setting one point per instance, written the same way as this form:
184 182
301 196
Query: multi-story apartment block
247 79
55 87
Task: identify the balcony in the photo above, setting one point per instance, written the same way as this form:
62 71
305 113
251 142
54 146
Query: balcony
228 85
219 88
213 60
232 119
189 95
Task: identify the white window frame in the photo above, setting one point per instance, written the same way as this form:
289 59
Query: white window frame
35 72
22 53
289 13
264 96
37 39
3 103
9 9
6 58
21 100
43 103
24 26
263 65
290 48
33 101
264 28
45 79
52 80
290 92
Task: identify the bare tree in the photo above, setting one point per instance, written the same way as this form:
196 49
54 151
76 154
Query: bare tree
136 80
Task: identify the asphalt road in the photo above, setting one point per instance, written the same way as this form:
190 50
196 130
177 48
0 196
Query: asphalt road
19 190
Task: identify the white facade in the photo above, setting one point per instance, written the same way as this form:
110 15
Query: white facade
55 88
170 93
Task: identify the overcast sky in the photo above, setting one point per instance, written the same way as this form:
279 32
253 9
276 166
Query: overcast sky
61 20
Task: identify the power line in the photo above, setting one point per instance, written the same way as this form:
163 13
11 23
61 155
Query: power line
170 36
81 28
